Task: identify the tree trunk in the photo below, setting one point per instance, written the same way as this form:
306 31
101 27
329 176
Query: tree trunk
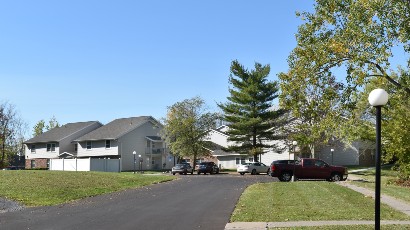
255 154
312 152
2 152
194 163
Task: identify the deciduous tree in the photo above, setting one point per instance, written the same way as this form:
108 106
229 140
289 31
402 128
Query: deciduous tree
52 123
11 131
395 123
314 109
360 37
41 126
186 126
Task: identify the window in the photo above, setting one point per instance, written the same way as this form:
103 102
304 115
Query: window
51 147
107 144
33 148
33 164
250 159
199 160
308 162
88 145
240 160
320 164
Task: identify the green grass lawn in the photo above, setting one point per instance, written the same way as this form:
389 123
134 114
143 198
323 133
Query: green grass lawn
348 227
39 188
307 201
388 187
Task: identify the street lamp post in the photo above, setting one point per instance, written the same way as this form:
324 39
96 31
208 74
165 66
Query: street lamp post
294 143
140 160
378 98
332 150
134 153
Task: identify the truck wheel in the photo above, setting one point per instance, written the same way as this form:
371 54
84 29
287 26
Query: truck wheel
253 172
286 176
336 177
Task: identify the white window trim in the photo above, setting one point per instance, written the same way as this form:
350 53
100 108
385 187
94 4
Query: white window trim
51 147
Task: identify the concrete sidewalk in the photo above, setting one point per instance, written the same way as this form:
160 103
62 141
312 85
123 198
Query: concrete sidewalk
392 202
397 204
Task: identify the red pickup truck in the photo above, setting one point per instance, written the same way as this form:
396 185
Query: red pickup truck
307 168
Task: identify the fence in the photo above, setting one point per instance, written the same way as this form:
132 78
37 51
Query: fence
88 164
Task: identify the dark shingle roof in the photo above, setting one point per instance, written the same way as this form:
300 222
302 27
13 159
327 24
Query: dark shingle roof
117 128
59 133
218 150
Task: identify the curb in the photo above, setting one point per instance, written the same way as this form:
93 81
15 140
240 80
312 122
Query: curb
267 225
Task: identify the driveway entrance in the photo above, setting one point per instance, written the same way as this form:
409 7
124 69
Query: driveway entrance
191 202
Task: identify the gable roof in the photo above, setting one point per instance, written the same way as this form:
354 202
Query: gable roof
59 133
117 128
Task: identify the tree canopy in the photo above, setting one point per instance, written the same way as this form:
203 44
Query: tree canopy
313 108
186 127
11 132
359 35
395 124
249 111
41 126
366 45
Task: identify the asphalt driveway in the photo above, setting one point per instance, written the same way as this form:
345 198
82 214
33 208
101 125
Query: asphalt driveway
191 202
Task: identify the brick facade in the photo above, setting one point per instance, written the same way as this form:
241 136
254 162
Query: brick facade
38 163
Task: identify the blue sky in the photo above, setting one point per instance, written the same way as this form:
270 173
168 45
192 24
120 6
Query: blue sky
102 60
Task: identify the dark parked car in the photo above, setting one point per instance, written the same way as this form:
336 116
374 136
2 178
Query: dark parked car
207 167
307 168
182 168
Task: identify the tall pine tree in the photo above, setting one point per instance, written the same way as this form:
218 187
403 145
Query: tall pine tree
249 111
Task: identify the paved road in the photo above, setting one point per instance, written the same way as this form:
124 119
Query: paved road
191 202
